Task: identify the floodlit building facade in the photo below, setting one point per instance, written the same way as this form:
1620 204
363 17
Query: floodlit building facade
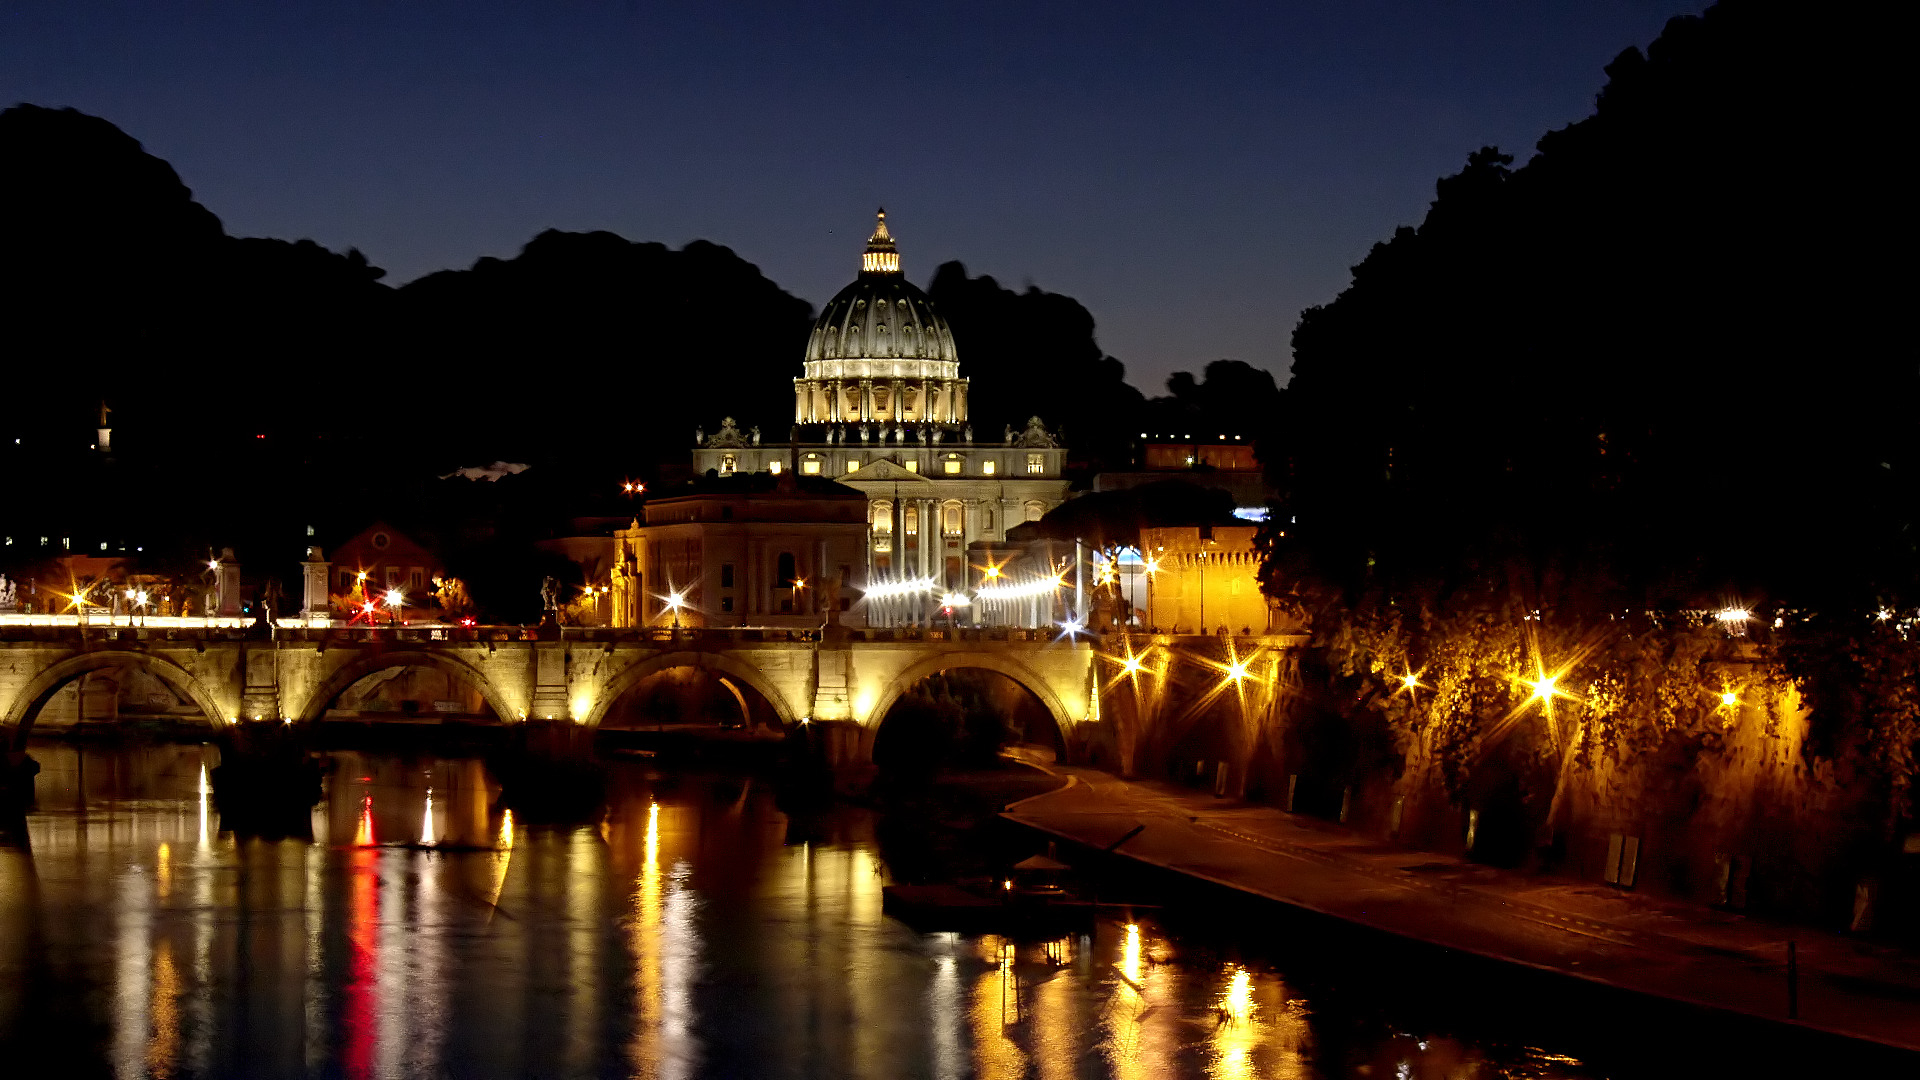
881 407
744 551
1204 581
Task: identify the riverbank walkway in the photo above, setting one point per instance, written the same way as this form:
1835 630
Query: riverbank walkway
1701 956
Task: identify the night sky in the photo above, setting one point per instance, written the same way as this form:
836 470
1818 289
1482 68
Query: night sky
1194 173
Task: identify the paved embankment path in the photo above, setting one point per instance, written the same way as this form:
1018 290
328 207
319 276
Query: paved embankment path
1697 955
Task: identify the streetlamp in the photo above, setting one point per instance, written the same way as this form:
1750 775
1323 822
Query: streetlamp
674 601
395 601
1152 568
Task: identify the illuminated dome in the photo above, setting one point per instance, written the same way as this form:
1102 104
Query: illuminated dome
881 326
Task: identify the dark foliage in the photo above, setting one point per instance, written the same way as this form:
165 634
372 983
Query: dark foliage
1653 365
590 347
1034 353
1231 397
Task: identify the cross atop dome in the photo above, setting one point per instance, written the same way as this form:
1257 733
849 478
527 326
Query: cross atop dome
881 257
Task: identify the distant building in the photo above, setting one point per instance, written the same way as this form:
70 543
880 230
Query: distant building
744 551
882 408
378 559
1217 460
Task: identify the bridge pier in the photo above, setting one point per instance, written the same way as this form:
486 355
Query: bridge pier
267 781
17 771
548 771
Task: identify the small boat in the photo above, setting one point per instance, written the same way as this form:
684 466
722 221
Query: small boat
1034 899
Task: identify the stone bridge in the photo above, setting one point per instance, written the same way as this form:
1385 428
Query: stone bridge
844 680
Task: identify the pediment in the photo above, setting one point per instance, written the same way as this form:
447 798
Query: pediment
890 471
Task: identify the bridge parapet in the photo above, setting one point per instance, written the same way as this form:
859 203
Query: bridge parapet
292 674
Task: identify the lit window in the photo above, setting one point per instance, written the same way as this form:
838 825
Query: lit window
912 518
853 464
882 517
953 466
1036 464
913 464
952 515
987 467
811 466
728 462
774 467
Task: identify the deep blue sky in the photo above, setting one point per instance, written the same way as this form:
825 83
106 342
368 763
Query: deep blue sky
1195 173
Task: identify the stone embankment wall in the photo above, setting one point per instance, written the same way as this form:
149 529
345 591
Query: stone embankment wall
1721 804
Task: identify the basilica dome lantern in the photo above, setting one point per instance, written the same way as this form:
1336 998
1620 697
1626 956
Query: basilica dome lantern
880 353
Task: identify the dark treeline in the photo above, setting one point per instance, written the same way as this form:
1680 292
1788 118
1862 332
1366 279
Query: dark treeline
1653 366
259 387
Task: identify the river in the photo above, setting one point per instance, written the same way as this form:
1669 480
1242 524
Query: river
694 932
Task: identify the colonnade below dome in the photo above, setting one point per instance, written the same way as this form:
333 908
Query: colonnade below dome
870 400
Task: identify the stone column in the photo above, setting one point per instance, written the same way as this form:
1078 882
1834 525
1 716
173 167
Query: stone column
819 577
897 561
946 400
227 584
866 401
313 576
800 401
925 415
895 395
960 388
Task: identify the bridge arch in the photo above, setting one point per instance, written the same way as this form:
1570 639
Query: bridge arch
1028 679
352 672
28 702
717 662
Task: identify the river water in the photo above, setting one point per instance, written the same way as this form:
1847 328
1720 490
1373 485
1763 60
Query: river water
695 932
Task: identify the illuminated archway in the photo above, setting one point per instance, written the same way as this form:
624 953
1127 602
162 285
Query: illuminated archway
717 664
32 697
342 680
1028 679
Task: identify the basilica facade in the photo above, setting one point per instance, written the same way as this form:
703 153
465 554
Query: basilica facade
881 407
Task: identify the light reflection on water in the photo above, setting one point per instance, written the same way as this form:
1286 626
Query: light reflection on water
682 936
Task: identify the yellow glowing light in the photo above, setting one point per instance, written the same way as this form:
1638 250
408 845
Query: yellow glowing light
1153 566
1131 666
361 576
799 583
676 600
1733 615
213 564
1409 682
1543 687
993 571
395 598
1130 954
1238 999
1729 698
1237 670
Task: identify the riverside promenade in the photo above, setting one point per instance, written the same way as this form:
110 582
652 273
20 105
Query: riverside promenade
1584 930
